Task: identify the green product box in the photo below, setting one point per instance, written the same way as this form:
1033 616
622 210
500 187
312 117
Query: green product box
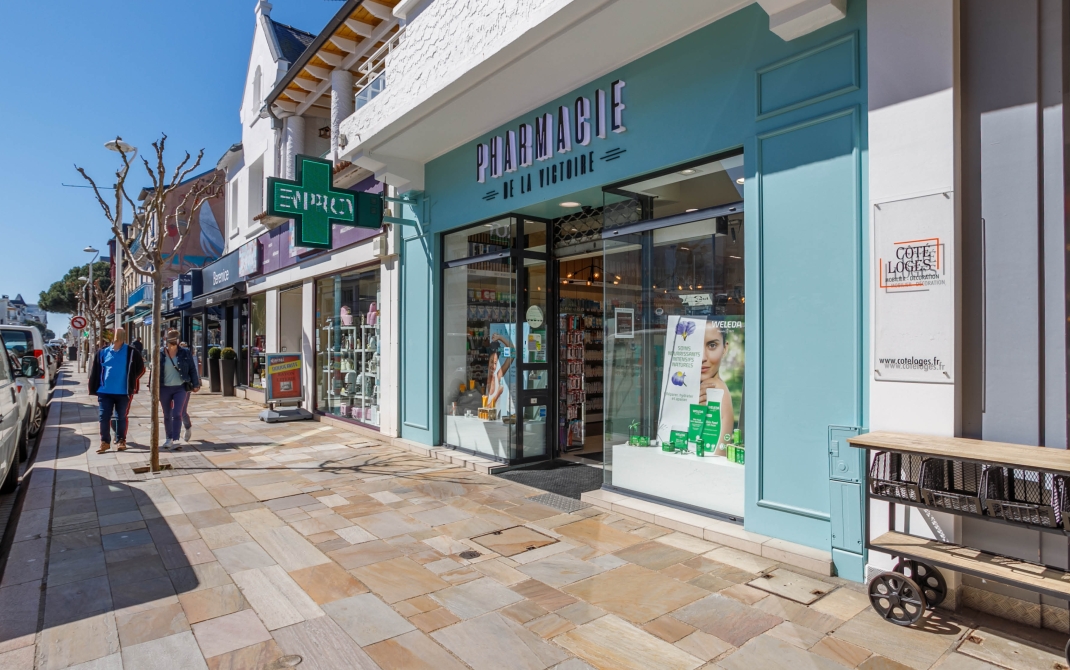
696 423
644 441
730 453
711 430
633 441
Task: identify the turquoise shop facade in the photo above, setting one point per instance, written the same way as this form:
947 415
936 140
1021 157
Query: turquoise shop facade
797 110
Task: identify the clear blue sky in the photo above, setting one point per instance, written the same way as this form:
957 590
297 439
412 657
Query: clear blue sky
78 74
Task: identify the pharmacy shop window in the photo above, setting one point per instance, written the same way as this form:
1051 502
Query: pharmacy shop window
675 350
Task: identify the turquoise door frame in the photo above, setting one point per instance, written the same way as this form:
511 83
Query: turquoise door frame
799 110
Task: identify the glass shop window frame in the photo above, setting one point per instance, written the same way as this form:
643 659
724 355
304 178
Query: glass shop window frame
641 223
516 253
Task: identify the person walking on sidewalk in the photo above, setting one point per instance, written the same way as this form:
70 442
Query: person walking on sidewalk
113 380
178 380
187 424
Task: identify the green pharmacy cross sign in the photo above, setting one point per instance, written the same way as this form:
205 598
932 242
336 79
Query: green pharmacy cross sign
315 204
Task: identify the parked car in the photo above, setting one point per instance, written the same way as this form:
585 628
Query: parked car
27 341
29 416
9 421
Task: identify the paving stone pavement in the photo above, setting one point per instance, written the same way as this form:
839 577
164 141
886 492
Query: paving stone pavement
268 546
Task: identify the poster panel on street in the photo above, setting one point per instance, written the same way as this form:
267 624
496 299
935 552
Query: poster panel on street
914 305
283 380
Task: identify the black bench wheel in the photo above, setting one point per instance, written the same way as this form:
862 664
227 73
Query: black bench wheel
897 598
927 577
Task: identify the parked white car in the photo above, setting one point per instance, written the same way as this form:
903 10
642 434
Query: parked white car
27 341
29 415
9 423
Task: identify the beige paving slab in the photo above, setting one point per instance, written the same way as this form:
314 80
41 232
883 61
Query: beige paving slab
1004 650
686 542
907 645
244 556
211 602
594 533
76 642
327 582
728 619
487 641
354 534
635 593
612 643
365 553
323 645
840 651
399 579
225 535
475 598
257 519
500 572
843 603
227 633
144 625
174 651
412 651
741 560
276 597
560 570
654 555
367 619
791 585
288 548
769 652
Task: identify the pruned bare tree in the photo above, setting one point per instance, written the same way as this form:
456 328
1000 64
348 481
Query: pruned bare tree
157 232
101 309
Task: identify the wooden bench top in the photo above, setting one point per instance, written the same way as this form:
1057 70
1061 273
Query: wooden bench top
965 449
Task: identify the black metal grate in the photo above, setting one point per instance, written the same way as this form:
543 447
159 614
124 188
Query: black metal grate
582 226
953 485
893 475
1027 497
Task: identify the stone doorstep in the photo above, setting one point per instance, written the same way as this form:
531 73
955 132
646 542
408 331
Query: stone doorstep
713 530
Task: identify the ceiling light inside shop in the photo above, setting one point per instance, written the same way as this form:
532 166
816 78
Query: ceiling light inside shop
740 180
569 203
575 230
693 209
688 171
735 257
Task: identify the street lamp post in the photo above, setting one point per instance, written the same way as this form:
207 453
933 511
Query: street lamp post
81 310
119 146
89 301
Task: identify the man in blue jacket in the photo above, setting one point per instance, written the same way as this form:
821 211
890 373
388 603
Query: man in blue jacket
113 380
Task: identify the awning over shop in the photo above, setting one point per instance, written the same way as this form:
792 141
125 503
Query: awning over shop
219 297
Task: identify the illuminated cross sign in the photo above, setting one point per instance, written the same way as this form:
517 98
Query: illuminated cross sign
314 204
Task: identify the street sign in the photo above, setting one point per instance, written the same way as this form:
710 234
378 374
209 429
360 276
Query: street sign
314 204
78 322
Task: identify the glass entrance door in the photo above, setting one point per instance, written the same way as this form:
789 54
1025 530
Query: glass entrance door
534 388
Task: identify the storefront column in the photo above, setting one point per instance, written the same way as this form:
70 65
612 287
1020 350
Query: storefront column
390 339
912 139
293 144
342 102
271 334
308 337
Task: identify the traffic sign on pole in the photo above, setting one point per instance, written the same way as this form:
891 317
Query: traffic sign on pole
78 322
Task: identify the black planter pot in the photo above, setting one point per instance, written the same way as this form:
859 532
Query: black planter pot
213 375
227 368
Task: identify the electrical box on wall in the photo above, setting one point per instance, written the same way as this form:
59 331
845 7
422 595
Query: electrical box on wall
846 503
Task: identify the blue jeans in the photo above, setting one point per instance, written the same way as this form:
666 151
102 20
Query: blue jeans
173 400
110 403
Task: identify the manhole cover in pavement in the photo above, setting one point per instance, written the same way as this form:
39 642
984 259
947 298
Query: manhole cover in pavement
470 554
513 541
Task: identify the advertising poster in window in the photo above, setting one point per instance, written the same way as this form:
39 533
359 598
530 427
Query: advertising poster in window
501 370
283 377
703 364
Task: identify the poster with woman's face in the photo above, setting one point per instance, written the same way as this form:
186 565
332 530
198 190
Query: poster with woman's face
702 354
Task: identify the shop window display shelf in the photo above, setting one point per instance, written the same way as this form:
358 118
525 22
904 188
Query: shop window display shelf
992 481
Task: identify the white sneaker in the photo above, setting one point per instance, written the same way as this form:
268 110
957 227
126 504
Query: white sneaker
187 434
167 444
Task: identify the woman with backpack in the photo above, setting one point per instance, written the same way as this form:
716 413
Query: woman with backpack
179 378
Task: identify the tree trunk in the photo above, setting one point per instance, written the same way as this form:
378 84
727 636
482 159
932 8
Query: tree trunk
153 352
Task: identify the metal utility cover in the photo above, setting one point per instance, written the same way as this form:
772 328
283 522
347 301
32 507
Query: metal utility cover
792 586
515 540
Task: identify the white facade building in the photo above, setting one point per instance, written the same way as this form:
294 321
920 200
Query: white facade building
298 88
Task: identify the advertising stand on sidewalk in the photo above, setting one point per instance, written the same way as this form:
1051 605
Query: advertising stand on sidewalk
283 387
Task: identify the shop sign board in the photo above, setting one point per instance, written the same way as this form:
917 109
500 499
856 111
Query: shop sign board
556 146
914 306
283 377
221 274
314 204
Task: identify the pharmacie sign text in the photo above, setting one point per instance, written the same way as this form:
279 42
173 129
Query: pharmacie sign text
555 143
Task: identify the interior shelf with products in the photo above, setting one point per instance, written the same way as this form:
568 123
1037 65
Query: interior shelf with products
351 373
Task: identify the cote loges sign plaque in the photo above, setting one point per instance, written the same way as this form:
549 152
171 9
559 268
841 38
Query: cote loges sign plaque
315 204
